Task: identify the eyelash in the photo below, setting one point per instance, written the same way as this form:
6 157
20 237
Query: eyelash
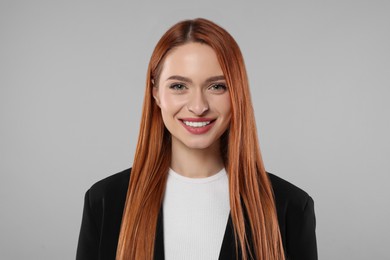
175 86
220 85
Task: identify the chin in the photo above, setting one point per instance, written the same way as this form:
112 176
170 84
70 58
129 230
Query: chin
198 146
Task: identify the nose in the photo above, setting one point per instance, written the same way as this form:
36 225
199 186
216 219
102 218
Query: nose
198 103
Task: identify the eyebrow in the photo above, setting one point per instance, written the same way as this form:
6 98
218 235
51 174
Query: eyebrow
188 80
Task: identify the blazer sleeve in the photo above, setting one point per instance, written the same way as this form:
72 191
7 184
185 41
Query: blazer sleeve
88 243
300 236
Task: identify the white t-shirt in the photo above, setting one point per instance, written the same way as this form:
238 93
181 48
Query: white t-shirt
195 214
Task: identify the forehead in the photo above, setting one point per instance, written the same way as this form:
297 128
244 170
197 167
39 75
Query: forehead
193 60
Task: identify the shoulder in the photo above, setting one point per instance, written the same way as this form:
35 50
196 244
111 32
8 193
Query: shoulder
102 215
287 193
110 186
296 216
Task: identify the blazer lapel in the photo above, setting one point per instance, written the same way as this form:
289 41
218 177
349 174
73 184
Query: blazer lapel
159 240
228 248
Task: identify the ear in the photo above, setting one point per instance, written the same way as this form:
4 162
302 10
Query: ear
155 95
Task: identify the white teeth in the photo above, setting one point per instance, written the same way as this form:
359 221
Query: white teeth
196 124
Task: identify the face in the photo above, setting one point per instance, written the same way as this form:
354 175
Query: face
193 97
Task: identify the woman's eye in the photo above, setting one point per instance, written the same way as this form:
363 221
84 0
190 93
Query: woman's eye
218 87
177 87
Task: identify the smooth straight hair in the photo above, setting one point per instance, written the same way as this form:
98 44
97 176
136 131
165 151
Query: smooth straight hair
252 205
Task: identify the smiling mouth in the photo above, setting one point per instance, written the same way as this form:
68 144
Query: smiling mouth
197 123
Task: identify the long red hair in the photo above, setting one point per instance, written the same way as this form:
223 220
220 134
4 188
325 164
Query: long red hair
251 196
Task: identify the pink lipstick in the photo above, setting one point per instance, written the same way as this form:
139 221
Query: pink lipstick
197 125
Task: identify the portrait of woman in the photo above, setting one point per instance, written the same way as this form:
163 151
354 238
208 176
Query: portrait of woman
136 130
198 187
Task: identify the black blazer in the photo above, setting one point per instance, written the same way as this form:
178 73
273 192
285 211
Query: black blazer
104 203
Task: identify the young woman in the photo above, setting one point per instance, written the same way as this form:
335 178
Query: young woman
198 188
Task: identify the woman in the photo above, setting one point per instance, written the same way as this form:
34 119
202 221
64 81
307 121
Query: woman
198 188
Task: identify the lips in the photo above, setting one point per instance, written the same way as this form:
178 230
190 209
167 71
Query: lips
197 125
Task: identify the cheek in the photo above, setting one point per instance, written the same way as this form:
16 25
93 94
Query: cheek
225 106
171 103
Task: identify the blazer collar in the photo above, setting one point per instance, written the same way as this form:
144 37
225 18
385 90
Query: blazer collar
228 248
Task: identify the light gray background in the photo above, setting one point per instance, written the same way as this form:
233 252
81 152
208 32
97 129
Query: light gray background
72 84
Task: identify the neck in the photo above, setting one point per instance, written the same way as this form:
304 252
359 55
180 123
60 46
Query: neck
196 163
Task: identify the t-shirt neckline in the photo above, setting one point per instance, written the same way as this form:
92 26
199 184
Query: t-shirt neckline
208 179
